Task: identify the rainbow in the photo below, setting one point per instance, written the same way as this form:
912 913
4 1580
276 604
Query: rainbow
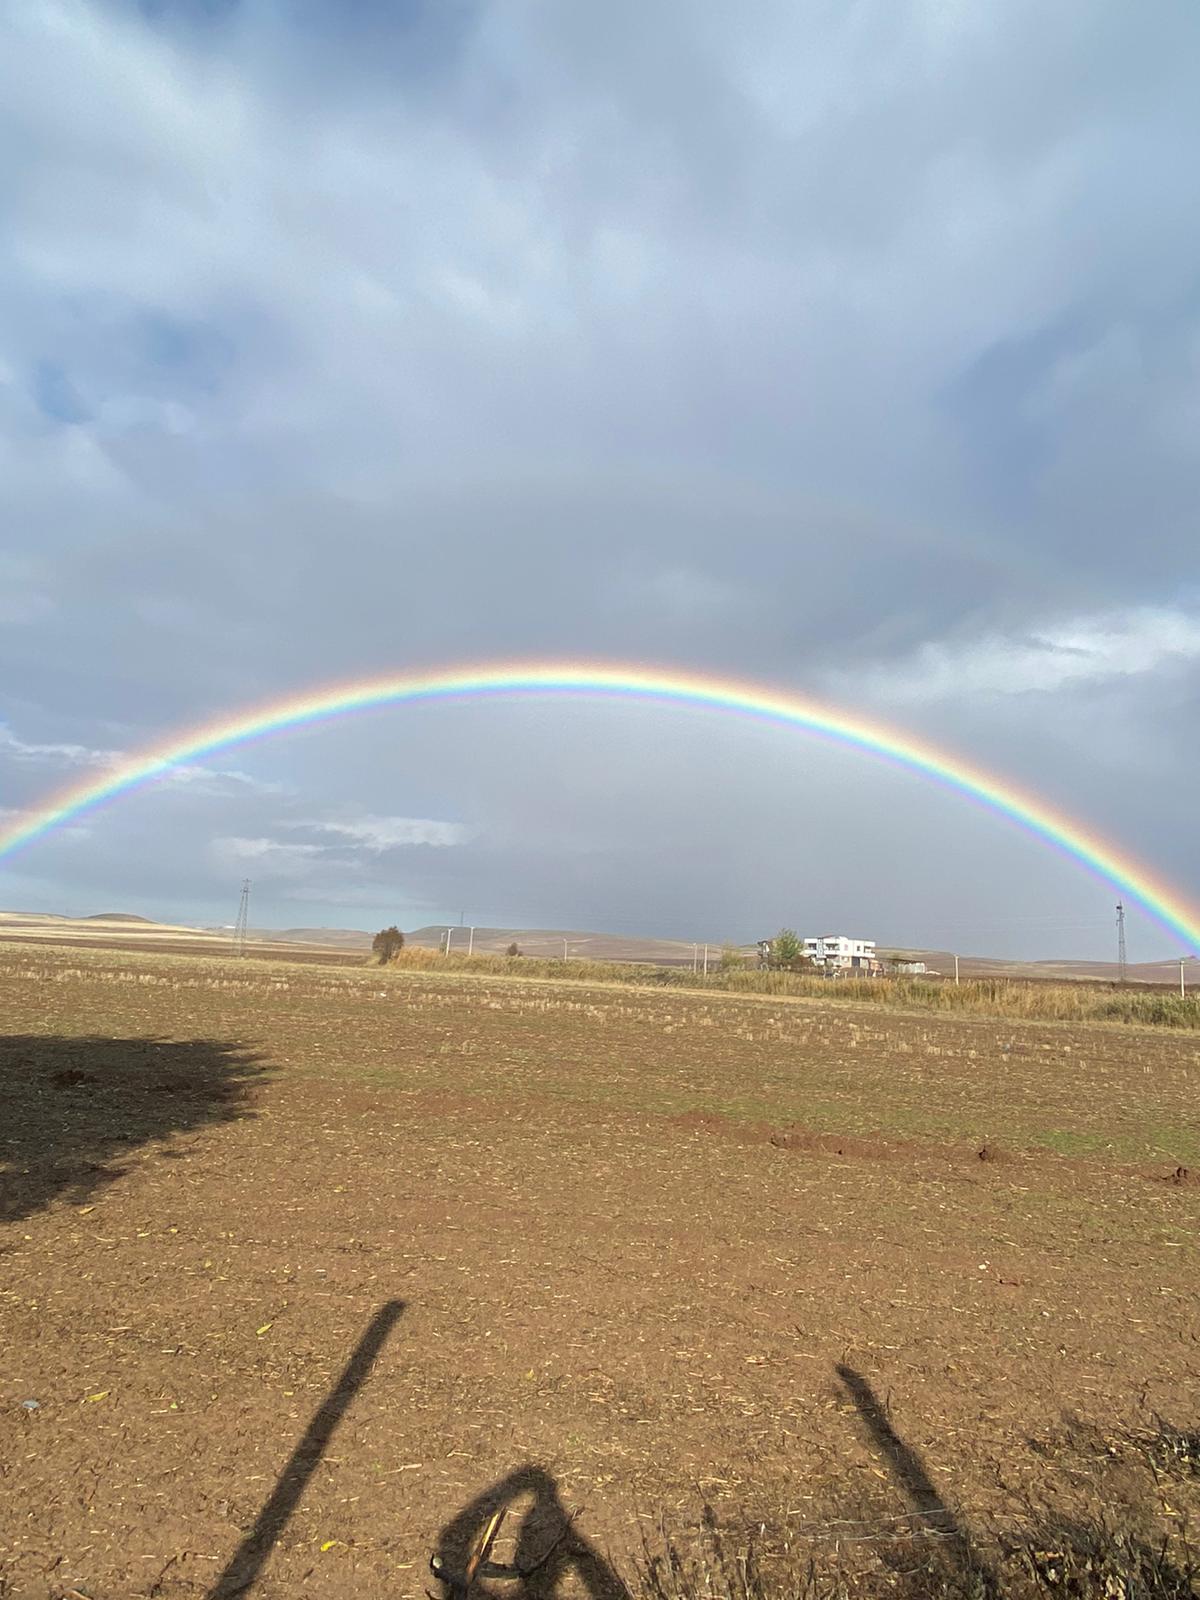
1105 861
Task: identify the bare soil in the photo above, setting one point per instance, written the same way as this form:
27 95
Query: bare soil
307 1268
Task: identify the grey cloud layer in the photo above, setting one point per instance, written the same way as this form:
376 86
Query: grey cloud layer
842 346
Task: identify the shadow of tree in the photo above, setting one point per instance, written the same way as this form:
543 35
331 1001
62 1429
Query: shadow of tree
75 1108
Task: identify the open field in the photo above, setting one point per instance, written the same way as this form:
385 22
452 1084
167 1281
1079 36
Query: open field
117 931
994 995
138 935
300 1262
1020 999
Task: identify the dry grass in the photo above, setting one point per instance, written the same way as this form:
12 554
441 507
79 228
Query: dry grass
1111 1556
980 997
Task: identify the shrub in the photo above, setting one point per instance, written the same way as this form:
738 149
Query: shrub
387 944
732 959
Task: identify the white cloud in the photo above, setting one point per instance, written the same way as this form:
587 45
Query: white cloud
63 754
219 780
56 754
393 833
269 858
1071 654
314 863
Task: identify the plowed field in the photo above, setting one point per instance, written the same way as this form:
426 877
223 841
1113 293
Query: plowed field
304 1269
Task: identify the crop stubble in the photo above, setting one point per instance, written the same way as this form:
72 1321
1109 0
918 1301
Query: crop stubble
634 1234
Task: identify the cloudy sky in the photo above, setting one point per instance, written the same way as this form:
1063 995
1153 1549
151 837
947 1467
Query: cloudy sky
853 347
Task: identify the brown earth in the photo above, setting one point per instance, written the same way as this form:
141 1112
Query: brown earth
299 1264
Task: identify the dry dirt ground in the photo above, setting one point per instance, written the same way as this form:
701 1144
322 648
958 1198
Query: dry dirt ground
305 1269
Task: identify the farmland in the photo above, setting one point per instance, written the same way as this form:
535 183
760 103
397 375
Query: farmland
641 1249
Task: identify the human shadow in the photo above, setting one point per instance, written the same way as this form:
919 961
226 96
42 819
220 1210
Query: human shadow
549 1549
75 1109
250 1556
911 1474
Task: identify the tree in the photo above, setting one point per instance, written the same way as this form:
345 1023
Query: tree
387 944
513 950
786 948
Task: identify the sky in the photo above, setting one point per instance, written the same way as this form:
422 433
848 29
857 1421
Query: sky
853 348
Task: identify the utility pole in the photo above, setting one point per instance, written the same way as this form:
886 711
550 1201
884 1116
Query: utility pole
1122 970
471 942
706 961
564 949
243 919
449 935
956 969
695 959
1182 987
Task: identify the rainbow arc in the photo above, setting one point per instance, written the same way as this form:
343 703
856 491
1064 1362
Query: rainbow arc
1103 859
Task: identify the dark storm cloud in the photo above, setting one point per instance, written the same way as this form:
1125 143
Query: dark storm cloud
849 348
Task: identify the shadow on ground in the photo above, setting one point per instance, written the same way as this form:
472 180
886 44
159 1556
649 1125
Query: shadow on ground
548 1553
1100 1528
864 1548
966 1571
76 1109
251 1555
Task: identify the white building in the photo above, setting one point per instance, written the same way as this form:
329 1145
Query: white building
836 953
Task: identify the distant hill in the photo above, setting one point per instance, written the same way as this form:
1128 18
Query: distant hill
110 927
545 942
577 943
124 930
941 963
329 938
